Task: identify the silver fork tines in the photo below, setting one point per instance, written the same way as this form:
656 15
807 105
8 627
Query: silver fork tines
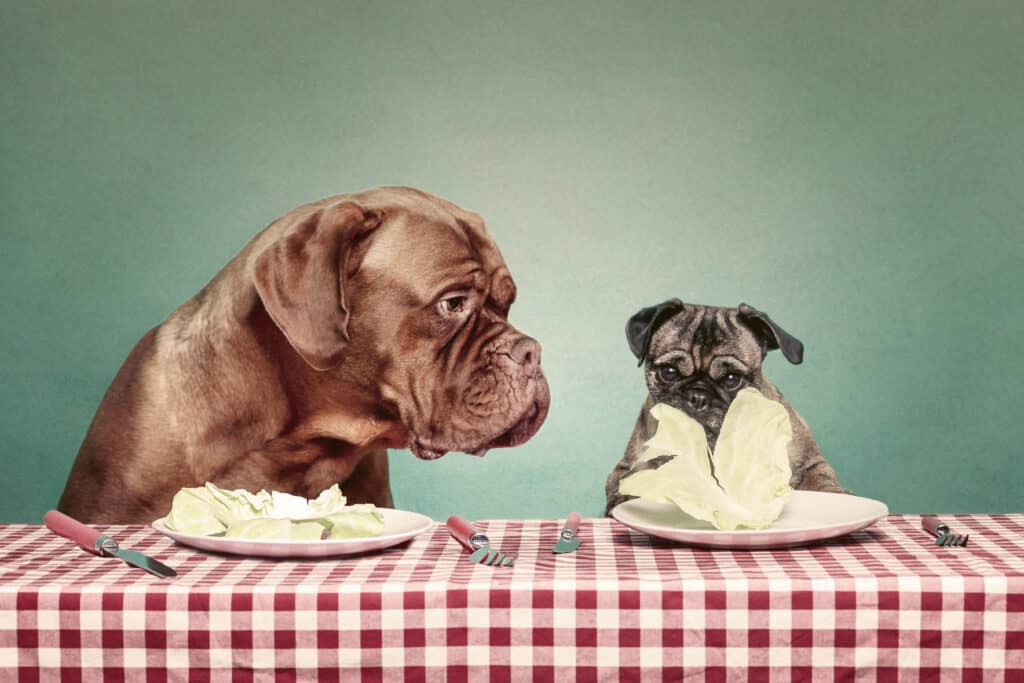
951 540
490 557
943 536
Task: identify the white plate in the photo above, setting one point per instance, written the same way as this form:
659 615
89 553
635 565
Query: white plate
808 516
399 526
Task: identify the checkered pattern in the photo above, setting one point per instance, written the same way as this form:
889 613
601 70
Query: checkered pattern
882 604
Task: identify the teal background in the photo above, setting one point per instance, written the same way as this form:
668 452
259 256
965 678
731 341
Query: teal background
853 169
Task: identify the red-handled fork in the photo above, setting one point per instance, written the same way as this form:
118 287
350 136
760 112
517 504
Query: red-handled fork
477 543
943 536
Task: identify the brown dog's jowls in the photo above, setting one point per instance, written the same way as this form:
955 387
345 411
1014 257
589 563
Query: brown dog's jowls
351 325
697 358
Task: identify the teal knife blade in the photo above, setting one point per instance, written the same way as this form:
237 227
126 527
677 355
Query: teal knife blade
137 559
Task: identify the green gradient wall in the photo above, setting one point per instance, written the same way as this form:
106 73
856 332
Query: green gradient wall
853 169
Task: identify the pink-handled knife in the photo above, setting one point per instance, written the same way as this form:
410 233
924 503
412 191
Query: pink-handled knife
104 546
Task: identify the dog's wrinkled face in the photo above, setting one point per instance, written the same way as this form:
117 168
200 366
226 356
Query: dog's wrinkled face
463 378
407 296
699 357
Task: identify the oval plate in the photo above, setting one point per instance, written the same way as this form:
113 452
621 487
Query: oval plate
808 516
399 527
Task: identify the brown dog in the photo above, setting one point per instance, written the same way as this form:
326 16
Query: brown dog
354 324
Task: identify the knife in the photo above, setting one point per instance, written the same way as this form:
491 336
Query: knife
104 546
568 541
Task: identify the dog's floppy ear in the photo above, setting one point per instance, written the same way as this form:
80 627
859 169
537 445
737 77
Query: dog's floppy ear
301 280
641 327
771 335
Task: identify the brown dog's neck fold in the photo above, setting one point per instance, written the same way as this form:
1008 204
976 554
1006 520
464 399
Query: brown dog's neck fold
357 431
340 409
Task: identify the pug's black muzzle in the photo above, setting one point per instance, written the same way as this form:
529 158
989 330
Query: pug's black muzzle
702 400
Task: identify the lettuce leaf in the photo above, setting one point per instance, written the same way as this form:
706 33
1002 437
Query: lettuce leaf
330 500
236 505
287 506
275 528
210 510
744 483
752 453
196 511
355 521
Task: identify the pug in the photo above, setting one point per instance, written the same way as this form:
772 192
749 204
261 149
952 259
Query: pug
697 358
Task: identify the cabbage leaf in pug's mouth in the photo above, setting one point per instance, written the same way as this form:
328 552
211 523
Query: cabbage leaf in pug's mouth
749 484
212 511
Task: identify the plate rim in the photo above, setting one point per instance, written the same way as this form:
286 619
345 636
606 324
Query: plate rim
710 534
326 545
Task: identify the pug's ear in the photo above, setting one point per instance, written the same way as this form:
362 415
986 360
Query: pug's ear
301 280
771 335
641 327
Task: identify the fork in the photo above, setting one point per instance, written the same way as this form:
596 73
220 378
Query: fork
477 543
943 536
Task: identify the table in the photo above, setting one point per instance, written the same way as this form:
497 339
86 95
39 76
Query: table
884 603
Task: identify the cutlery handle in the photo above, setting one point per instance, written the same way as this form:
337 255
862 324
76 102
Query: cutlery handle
65 526
572 523
932 525
463 532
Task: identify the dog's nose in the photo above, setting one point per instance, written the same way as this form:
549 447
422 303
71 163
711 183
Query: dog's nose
526 352
698 401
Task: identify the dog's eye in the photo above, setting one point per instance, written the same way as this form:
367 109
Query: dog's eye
453 304
732 381
667 373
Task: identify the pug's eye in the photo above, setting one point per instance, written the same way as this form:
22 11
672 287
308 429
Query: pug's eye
732 381
667 373
453 304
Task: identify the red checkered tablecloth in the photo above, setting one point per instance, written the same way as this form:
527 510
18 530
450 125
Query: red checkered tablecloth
883 604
